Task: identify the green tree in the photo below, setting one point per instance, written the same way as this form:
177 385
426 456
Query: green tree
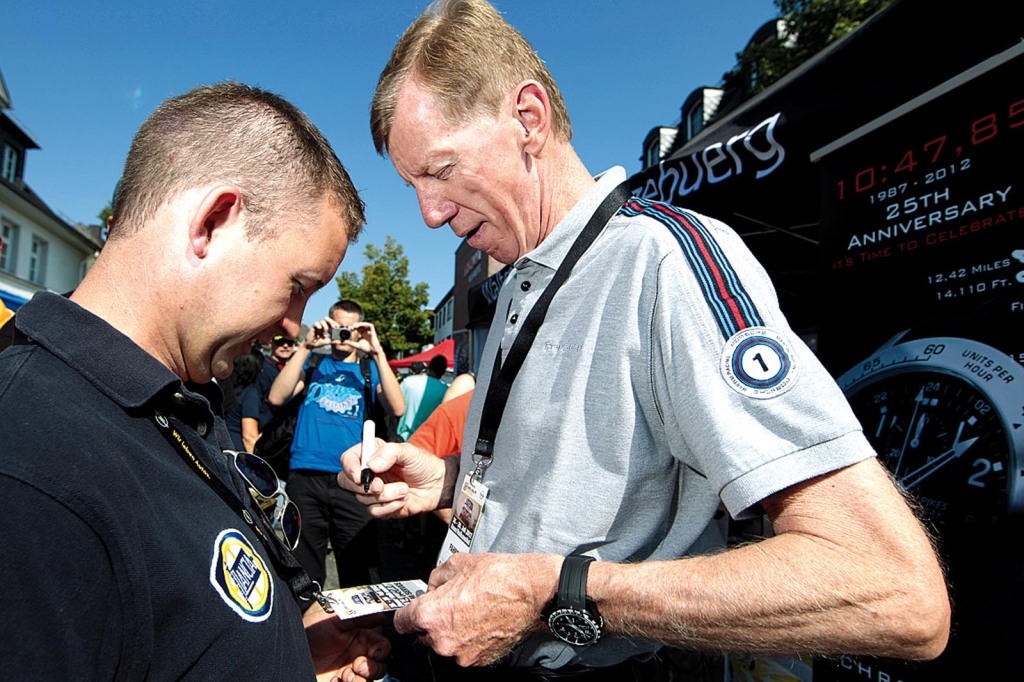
807 27
107 211
395 307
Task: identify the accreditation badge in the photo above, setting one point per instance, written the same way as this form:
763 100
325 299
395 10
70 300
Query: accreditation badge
469 505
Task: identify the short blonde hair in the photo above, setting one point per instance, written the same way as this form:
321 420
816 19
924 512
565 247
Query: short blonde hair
467 56
240 134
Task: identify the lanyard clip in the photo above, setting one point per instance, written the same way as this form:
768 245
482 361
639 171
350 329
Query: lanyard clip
325 602
482 463
482 458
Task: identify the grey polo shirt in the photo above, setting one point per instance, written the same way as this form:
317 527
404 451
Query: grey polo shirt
633 417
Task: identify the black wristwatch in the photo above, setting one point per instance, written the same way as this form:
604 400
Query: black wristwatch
573 618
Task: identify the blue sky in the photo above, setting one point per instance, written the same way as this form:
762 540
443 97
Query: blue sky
84 75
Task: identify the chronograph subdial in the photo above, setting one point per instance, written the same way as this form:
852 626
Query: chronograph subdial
946 424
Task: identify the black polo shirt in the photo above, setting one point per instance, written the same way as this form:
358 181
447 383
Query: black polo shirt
118 560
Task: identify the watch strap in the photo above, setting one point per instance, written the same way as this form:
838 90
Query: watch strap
572 582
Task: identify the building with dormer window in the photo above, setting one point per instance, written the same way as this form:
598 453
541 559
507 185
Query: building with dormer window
38 249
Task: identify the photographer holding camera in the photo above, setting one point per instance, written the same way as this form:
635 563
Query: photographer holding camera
330 420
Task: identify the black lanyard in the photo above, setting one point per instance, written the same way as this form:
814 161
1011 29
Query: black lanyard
504 373
285 565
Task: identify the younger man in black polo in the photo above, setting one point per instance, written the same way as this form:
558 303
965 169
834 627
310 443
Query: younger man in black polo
132 547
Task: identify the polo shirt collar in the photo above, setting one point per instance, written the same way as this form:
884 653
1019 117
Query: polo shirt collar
552 250
110 360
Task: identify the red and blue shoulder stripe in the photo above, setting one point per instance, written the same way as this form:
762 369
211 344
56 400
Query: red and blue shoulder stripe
724 293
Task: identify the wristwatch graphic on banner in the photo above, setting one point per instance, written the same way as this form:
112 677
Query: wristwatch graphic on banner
573 619
946 415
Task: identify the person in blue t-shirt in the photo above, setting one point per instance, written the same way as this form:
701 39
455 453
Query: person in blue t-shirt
330 421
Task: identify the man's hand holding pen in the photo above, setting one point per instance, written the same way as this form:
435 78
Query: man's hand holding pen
405 479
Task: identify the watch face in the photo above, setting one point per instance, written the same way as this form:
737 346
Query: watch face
943 441
939 421
574 626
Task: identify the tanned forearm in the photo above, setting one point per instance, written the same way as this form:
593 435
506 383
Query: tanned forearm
287 380
390 392
835 579
250 433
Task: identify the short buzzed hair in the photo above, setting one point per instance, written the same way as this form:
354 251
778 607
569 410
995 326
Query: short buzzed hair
236 133
468 57
347 306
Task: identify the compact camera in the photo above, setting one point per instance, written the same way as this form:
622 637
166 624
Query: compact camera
340 333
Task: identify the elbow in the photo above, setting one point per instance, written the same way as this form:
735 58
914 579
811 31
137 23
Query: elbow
921 628
397 407
926 637
932 632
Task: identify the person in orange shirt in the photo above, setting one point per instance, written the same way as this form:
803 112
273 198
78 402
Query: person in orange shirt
441 434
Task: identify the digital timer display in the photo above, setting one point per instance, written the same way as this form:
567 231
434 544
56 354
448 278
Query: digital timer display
935 160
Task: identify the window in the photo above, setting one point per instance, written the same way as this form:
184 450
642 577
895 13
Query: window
9 252
694 120
37 261
9 171
652 155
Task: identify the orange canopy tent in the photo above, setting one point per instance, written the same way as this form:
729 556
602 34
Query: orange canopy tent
445 348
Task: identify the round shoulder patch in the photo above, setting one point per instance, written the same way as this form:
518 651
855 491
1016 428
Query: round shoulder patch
240 576
759 363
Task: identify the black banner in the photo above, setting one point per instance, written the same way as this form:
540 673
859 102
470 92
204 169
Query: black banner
752 166
923 232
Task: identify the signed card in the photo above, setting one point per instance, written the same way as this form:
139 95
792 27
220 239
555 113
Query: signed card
352 602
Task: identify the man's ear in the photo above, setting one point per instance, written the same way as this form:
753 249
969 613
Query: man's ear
219 206
533 112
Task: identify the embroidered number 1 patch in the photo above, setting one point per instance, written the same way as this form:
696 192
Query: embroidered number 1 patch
759 363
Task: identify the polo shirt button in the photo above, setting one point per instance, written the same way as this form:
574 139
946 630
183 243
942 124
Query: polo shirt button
525 286
201 429
179 398
514 318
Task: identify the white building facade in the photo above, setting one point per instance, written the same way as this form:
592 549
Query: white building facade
39 250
